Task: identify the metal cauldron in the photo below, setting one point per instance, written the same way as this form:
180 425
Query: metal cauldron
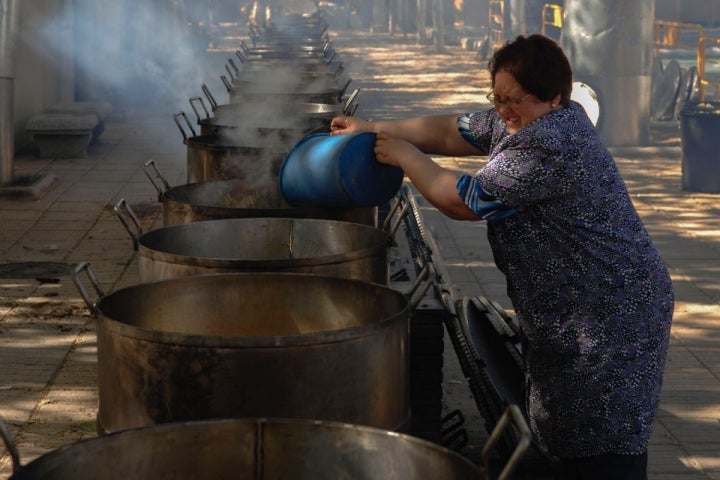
248 156
262 244
301 65
258 92
286 49
251 345
269 110
217 199
231 449
278 72
246 122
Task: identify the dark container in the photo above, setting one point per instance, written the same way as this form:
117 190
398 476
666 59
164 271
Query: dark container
700 136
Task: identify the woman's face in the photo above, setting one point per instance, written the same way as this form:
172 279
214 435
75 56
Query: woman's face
516 107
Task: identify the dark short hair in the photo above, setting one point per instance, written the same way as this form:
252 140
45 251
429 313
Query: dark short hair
538 64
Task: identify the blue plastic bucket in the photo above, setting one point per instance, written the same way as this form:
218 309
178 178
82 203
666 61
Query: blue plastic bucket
337 170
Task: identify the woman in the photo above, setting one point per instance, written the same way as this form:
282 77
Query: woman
593 297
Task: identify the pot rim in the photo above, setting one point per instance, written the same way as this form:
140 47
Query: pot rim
189 340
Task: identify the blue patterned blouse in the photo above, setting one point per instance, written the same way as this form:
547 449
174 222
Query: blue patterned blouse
592 295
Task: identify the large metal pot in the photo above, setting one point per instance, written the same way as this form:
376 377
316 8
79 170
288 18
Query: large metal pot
281 72
258 92
247 156
262 244
218 199
267 111
242 123
287 50
231 449
251 345
300 65
281 79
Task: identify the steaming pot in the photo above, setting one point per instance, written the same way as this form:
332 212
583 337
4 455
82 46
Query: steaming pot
254 159
218 199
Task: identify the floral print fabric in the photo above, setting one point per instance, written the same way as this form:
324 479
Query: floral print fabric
593 297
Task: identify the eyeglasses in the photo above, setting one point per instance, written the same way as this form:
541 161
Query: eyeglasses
505 101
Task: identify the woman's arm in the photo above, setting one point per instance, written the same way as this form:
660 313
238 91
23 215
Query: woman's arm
434 135
435 183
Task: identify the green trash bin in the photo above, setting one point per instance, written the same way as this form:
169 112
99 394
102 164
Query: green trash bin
700 137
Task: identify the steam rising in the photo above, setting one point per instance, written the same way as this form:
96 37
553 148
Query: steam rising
135 51
278 86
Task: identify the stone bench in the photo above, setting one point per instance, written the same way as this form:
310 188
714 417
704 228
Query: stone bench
101 109
62 135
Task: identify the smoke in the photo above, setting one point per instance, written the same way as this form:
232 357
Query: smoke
160 54
132 52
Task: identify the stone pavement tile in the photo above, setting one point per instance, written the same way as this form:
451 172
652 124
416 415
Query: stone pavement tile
14 290
706 456
30 354
17 404
19 224
49 223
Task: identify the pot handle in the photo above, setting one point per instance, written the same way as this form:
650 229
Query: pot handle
85 266
118 211
11 447
327 44
193 101
176 117
511 413
348 103
341 93
245 49
210 97
423 281
227 69
227 83
332 57
234 66
151 164
240 56
327 50
254 33
400 207
338 70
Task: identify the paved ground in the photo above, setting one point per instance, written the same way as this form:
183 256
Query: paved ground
48 378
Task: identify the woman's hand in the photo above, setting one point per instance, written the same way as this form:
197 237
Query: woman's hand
390 150
345 124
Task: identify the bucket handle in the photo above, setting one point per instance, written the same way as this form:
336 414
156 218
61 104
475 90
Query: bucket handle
176 117
511 413
151 164
193 102
119 206
79 268
10 445
210 97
